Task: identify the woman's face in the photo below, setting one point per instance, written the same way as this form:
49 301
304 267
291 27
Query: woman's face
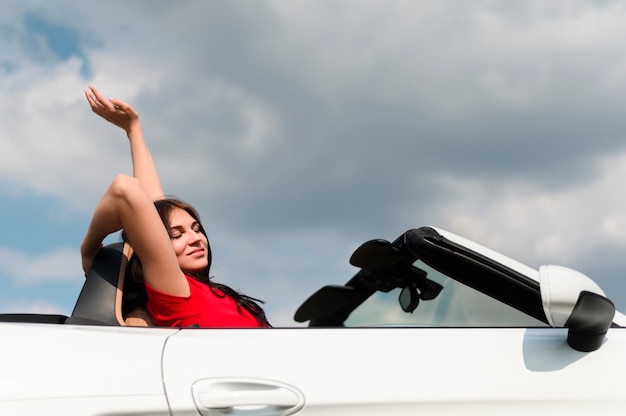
190 245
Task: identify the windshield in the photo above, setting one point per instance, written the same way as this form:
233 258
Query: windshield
456 306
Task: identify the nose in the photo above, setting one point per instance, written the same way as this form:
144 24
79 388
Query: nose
194 238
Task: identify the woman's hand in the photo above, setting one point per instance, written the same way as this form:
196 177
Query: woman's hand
112 110
123 115
88 256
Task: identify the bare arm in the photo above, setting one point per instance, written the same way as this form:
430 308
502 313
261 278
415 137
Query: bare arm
124 116
126 205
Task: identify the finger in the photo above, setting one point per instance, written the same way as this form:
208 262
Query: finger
116 103
103 102
91 99
96 107
123 106
94 91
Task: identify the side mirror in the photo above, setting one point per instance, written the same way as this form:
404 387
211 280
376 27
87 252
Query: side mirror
572 300
409 298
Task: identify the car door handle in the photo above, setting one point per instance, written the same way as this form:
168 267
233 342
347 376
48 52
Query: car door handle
246 397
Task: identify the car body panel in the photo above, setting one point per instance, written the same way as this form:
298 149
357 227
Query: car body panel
90 367
404 370
336 370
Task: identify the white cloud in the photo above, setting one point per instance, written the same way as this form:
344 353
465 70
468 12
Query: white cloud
36 307
62 264
541 226
283 120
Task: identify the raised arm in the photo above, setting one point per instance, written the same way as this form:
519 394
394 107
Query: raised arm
124 116
125 205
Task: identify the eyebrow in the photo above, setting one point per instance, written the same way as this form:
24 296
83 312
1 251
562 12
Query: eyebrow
182 227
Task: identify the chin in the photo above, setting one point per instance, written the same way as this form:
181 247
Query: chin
193 270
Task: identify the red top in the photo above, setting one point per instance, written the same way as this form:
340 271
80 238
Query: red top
203 307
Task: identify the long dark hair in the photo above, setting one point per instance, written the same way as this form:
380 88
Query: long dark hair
164 208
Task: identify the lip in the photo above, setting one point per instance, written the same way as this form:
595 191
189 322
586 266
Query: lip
196 252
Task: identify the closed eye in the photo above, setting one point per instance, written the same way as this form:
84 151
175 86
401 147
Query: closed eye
175 232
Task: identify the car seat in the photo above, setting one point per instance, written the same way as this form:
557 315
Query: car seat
100 300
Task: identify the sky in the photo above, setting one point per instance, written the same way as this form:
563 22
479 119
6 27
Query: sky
301 129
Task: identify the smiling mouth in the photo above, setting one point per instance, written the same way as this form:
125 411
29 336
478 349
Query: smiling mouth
195 252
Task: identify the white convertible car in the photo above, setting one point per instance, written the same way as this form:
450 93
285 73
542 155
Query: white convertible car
431 324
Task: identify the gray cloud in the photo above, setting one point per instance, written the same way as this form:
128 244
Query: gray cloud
323 124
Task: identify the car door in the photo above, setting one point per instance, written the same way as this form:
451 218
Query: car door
391 371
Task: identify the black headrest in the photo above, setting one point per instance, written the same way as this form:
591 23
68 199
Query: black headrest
99 302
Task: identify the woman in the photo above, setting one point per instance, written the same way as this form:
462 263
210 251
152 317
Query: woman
168 239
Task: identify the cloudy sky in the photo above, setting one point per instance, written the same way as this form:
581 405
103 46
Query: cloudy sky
300 129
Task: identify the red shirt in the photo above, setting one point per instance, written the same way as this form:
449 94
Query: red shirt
203 307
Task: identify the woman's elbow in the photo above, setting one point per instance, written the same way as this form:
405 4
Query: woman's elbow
124 187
